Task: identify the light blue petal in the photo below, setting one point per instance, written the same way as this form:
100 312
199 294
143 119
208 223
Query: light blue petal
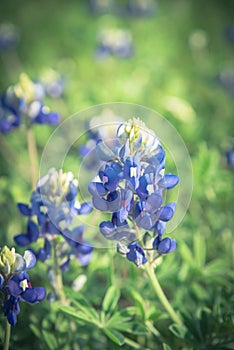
30 259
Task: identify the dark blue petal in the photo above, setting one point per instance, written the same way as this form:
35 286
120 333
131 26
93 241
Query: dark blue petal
24 209
136 254
33 295
72 192
14 288
22 240
107 229
167 245
32 231
156 242
168 181
159 228
167 212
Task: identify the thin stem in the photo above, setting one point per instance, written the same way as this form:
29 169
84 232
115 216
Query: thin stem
33 156
149 269
7 335
58 276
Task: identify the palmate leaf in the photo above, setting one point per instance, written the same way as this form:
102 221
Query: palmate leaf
111 299
81 302
80 315
115 336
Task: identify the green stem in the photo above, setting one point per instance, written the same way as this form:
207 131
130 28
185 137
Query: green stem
7 336
58 287
160 293
33 156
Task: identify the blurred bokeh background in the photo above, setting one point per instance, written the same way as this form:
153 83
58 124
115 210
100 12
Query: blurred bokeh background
175 57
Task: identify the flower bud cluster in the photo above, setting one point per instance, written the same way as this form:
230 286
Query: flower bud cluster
24 99
15 285
52 209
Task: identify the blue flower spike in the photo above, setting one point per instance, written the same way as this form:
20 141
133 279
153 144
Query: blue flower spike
15 282
131 185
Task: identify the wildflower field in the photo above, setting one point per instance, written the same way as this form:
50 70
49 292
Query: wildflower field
116 174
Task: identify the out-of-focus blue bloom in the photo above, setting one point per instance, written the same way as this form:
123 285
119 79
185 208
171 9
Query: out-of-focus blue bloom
226 79
141 7
51 83
24 101
114 42
54 205
9 36
131 185
15 284
229 34
230 155
10 116
136 254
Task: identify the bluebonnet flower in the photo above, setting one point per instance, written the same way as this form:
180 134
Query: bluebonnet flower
9 36
226 79
114 42
131 184
54 205
15 282
24 100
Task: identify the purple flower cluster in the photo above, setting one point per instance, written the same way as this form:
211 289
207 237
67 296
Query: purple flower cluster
15 284
24 99
130 185
54 206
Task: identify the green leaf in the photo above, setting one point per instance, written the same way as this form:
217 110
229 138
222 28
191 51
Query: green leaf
111 299
199 246
50 340
177 330
139 301
79 315
166 347
115 336
82 303
131 327
35 330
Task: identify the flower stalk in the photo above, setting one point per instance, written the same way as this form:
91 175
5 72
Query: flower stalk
33 156
7 335
149 269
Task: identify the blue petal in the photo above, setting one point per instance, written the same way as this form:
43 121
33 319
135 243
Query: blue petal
168 181
167 245
14 288
167 212
153 203
136 254
32 231
22 240
97 189
100 204
24 209
33 295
